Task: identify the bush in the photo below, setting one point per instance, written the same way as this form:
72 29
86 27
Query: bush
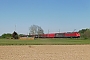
8 35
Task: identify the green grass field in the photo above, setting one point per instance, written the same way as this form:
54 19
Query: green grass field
45 42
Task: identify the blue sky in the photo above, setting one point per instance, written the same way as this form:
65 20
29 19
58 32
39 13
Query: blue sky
65 15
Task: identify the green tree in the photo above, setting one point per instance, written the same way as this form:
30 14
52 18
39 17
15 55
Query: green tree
85 33
15 35
83 30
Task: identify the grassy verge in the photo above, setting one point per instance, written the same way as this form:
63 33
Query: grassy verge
45 42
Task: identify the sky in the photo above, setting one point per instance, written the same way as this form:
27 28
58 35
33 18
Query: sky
52 15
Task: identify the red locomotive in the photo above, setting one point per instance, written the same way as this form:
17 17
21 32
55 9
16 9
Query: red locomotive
59 35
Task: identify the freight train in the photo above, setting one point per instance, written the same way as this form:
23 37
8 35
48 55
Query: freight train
58 35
